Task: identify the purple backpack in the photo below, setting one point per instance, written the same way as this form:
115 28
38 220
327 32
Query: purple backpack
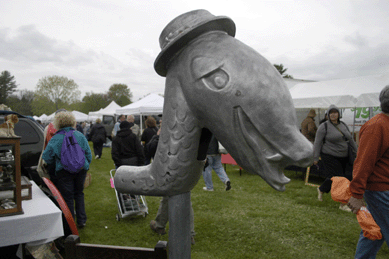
72 155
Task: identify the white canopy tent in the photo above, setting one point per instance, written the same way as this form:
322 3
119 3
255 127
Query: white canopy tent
355 93
344 93
150 105
49 118
109 110
80 116
42 118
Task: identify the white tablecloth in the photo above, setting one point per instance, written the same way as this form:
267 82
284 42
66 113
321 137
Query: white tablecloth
40 223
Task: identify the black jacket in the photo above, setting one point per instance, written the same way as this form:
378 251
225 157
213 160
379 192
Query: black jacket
213 148
126 145
151 147
148 133
97 133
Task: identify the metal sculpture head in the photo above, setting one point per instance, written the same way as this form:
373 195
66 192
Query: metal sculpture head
184 28
215 82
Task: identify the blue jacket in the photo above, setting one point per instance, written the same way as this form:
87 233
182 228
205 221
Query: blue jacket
52 153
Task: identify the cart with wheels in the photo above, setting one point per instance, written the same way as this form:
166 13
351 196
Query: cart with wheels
128 204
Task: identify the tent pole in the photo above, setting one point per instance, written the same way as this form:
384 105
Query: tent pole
355 109
318 111
370 112
141 124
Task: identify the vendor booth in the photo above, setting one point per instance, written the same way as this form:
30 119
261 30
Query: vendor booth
150 105
356 97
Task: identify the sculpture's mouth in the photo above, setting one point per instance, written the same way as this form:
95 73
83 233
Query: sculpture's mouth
257 154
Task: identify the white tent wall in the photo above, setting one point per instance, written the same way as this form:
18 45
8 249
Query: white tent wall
344 93
357 98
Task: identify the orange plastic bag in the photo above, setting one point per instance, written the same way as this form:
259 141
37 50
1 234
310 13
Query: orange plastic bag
340 192
340 189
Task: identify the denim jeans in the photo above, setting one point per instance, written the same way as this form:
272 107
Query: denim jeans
215 163
378 205
71 187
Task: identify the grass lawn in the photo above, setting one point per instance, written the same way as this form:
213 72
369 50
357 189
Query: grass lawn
252 220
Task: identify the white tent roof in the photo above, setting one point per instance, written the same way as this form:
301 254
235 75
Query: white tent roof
95 113
42 117
109 110
150 105
80 116
49 118
349 92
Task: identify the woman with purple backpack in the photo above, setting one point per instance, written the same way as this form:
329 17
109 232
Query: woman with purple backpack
71 163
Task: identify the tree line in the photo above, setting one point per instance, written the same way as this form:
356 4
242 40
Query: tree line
55 92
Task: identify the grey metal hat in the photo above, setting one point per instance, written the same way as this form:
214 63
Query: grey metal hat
185 28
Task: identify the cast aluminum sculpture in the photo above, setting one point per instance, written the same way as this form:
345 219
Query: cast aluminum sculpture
214 83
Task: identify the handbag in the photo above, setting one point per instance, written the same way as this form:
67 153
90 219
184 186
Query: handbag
350 151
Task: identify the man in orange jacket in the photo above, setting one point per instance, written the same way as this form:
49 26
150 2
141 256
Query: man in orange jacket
371 176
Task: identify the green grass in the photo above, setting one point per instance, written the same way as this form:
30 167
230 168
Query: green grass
252 220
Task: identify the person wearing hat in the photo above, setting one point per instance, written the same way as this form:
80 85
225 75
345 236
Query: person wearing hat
126 147
331 144
371 176
308 126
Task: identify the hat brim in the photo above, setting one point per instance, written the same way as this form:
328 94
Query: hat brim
219 23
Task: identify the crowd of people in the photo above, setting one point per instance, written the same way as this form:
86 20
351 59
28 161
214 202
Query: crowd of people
366 166
129 146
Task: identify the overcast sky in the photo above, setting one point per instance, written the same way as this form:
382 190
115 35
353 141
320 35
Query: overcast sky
98 43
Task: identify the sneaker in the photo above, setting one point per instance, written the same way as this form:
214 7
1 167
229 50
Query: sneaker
153 226
319 194
192 241
81 225
344 207
96 157
228 185
206 189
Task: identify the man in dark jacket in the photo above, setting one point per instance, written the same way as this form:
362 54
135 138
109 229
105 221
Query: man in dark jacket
98 136
126 147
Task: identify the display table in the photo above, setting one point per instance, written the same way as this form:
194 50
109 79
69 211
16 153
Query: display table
40 223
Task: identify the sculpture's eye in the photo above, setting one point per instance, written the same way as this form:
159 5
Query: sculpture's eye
216 80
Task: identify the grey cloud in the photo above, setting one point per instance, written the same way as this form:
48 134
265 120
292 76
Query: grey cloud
356 40
31 46
336 64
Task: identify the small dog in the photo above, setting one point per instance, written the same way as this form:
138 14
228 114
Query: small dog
7 128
